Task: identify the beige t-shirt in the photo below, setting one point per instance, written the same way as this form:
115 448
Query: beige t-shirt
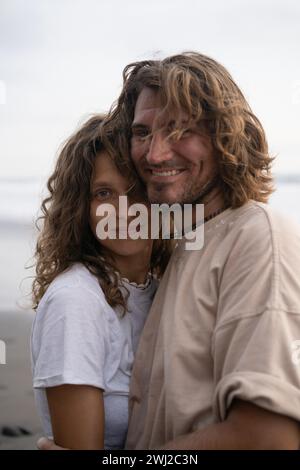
223 325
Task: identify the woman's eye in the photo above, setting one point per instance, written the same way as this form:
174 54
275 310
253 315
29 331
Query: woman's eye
103 193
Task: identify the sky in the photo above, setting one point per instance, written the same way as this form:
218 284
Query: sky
61 60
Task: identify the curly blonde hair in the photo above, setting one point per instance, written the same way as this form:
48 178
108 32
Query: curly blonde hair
65 235
202 88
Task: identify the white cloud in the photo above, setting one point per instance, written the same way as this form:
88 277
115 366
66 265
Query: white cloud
63 59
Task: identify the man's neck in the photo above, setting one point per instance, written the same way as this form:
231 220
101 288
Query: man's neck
212 203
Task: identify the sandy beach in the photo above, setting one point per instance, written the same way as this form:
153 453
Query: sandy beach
17 408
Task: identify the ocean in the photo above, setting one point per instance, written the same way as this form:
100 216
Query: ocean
19 206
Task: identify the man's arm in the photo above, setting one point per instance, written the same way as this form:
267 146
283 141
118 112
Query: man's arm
77 416
247 427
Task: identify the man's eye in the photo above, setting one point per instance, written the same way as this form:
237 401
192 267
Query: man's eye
171 127
141 133
177 133
186 132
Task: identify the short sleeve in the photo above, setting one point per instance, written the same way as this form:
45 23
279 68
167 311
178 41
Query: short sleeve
258 320
69 339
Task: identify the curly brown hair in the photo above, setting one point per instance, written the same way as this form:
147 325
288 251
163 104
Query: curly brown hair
205 91
65 235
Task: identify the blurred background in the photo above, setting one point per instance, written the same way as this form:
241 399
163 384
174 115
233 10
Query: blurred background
61 60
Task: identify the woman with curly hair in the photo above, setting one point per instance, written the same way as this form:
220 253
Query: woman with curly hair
91 296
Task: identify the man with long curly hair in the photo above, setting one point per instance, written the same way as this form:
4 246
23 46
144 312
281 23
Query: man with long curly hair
214 366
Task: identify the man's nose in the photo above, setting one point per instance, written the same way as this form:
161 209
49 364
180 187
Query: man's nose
159 149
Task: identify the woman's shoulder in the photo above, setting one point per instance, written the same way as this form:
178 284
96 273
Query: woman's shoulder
76 283
73 300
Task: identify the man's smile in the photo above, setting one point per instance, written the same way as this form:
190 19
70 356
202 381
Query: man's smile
163 174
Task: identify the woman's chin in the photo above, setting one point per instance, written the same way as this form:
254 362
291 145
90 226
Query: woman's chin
126 247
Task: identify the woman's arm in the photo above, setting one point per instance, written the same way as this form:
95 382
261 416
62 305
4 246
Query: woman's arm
77 416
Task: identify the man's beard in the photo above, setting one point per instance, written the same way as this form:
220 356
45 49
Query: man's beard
191 196
201 196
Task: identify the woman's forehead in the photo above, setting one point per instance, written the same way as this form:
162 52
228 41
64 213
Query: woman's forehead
106 171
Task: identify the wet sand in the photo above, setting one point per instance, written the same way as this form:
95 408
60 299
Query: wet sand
17 407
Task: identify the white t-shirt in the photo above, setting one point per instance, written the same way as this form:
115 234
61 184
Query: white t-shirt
78 338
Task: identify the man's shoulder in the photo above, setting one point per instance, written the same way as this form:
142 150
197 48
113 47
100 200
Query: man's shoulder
260 229
259 217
